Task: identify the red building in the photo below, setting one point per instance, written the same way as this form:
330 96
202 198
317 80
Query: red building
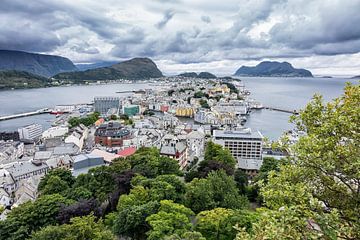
111 134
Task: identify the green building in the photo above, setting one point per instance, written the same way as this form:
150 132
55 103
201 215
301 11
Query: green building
131 110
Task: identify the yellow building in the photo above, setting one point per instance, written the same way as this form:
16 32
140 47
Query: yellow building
184 112
220 89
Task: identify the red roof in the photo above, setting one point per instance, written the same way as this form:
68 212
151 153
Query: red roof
127 152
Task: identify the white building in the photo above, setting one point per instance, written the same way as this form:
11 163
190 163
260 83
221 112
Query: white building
54 132
244 145
30 132
78 136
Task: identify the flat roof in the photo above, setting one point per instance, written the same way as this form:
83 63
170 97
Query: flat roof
241 134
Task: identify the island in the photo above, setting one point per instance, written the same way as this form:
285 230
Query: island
272 69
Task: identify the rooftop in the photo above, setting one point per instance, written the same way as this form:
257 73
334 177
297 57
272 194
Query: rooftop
244 133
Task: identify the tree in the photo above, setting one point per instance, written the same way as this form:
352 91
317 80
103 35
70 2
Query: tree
219 223
79 228
269 164
241 179
172 218
63 174
54 185
31 216
217 190
217 153
316 194
131 221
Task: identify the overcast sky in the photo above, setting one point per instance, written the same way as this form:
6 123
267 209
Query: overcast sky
190 35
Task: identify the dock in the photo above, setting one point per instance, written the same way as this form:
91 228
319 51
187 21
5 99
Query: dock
20 115
281 110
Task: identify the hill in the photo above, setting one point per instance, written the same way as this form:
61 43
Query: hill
19 79
205 75
355 77
272 69
39 64
84 66
136 68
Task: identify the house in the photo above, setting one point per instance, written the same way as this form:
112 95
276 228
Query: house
78 136
28 169
175 150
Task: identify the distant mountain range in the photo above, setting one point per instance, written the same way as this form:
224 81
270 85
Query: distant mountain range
356 77
272 69
85 66
205 75
136 68
20 79
39 64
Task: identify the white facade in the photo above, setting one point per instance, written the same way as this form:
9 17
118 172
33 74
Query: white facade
30 132
244 145
55 132
64 108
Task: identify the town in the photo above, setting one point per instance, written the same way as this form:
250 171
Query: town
179 117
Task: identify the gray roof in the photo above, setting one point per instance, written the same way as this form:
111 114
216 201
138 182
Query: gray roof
238 134
66 149
20 168
42 155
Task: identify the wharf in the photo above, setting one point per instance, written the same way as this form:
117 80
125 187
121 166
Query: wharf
20 115
281 110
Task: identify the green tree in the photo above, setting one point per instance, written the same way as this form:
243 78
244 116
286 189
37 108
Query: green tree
217 190
81 228
241 179
219 223
31 216
64 174
172 218
54 185
316 194
217 153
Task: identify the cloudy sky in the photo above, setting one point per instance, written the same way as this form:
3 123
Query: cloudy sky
190 35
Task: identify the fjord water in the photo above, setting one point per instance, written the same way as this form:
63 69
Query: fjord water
287 93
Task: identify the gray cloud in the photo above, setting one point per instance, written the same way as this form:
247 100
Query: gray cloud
169 14
206 19
235 30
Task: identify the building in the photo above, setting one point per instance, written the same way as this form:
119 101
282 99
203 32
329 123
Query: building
25 170
177 151
104 104
84 162
111 134
244 145
10 151
54 132
131 110
184 111
30 132
78 136
7 136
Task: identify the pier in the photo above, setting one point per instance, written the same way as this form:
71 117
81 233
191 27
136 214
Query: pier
20 115
282 110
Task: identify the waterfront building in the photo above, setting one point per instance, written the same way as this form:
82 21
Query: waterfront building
104 104
244 145
111 134
63 109
31 132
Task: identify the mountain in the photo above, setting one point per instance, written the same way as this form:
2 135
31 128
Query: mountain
272 69
355 77
84 66
188 74
136 68
39 64
19 79
205 75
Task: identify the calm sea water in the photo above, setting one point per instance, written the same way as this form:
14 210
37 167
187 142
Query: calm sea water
287 93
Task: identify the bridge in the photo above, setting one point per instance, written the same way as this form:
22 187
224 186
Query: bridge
20 115
282 110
